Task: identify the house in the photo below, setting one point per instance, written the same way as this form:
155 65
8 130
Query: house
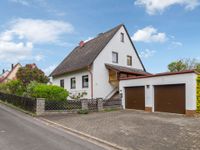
10 75
93 68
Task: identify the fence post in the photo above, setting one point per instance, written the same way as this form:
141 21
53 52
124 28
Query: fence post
100 104
84 104
40 106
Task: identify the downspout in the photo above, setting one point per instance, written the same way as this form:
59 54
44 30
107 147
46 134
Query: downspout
91 76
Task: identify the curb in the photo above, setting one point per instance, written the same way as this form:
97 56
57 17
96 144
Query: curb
109 144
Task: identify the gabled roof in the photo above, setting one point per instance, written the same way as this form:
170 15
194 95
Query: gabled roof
129 70
82 57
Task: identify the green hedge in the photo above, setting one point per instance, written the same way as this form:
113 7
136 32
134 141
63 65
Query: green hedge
198 93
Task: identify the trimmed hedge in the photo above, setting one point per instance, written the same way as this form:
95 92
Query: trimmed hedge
198 93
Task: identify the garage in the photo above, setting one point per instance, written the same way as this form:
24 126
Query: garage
135 97
170 98
173 92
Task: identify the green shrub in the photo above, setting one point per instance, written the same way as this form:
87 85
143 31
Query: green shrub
198 93
4 88
50 92
83 111
15 87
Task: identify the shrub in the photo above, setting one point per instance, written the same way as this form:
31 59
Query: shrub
198 93
4 88
49 92
83 111
15 87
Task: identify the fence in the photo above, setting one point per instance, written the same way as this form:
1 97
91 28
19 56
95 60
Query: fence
41 106
25 103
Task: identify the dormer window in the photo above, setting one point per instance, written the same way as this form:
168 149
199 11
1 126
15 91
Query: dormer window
114 57
122 37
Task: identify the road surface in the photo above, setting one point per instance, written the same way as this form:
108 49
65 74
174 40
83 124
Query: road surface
22 132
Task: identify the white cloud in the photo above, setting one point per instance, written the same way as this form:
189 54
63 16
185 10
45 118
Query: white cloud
154 6
147 53
149 34
18 40
49 69
177 43
38 31
88 39
22 2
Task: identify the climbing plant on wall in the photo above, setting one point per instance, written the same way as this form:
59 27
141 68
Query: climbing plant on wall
198 93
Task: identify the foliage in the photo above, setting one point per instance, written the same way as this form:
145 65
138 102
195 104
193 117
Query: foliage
198 93
31 73
184 64
49 92
4 88
83 111
15 87
77 96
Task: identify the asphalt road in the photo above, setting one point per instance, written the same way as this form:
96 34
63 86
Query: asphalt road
22 132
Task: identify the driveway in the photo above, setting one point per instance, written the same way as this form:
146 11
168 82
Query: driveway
137 129
21 132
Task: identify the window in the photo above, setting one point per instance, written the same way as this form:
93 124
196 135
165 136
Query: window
122 37
73 83
85 81
129 60
114 57
62 83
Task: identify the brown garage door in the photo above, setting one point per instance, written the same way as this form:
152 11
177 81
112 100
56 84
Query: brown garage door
135 98
170 98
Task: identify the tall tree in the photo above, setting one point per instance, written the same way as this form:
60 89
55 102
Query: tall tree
31 73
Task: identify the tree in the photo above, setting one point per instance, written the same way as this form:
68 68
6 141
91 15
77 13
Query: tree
31 73
184 64
176 66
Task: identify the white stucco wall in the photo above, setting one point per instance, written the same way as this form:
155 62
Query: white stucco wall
78 76
102 87
188 79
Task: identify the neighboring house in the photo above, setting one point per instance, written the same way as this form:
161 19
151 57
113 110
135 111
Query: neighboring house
10 75
95 67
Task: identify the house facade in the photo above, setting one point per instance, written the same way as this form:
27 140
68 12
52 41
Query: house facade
10 75
93 68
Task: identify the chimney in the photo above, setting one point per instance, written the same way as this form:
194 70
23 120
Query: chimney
81 44
12 66
3 71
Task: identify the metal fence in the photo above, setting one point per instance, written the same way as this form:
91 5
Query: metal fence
51 105
25 103
112 103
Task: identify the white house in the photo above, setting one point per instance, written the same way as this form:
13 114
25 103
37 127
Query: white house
95 67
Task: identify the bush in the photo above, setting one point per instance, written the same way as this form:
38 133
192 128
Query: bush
198 93
83 111
4 88
15 87
49 92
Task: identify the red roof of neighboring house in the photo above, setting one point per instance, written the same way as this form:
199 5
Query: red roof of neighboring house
161 74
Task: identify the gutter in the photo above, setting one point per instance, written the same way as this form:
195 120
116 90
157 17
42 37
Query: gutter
91 75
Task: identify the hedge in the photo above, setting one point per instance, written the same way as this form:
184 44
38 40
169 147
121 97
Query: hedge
198 93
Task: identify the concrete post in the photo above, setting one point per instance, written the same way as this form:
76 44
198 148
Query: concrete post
84 104
40 106
100 104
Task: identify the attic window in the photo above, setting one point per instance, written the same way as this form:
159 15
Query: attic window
114 57
122 37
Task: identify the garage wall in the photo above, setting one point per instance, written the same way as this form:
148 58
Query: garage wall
188 79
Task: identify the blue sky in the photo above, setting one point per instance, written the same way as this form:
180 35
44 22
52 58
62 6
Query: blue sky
45 31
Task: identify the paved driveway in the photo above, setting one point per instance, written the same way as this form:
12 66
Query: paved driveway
138 129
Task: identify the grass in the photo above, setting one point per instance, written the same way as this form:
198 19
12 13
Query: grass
17 108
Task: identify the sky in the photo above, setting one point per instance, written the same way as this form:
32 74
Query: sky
46 31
